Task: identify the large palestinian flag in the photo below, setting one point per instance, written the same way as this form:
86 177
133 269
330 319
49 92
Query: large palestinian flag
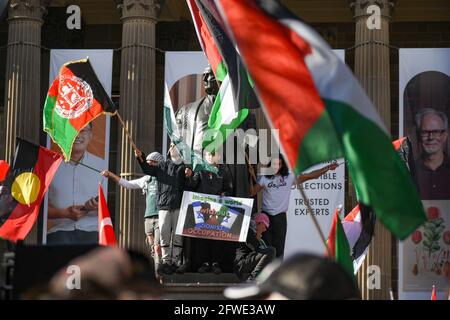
320 109
236 95
75 98
24 188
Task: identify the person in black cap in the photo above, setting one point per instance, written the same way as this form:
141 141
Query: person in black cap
170 178
300 277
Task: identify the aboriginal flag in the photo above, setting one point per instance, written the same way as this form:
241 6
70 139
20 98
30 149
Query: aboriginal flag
24 188
75 98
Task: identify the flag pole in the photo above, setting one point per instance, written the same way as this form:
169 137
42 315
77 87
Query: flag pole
133 145
250 168
314 219
85 165
391 294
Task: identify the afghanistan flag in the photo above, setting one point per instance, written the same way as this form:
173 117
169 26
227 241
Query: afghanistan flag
75 98
338 245
320 109
236 95
24 188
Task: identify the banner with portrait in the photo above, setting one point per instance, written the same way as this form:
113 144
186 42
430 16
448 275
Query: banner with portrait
214 217
70 210
424 111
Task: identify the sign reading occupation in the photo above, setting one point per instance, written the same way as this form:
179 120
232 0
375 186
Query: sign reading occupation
214 217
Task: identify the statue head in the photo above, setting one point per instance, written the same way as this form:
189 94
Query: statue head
209 81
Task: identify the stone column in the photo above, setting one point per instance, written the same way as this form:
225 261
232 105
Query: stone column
137 108
23 69
372 69
23 72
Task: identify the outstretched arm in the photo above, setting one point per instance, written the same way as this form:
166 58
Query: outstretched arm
110 175
127 184
316 173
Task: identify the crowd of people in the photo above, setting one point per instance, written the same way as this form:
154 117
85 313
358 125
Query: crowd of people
116 274
163 186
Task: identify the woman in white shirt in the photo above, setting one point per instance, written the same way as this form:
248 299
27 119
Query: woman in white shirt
276 191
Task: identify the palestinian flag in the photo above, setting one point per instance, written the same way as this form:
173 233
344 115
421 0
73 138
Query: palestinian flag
359 224
106 235
338 245
207 42
24 188
236 95
404 150
186 153
75 98
320 109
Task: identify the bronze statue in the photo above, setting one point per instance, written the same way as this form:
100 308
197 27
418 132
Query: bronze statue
192 122
192 119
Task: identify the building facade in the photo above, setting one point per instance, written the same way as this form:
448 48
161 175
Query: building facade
140 31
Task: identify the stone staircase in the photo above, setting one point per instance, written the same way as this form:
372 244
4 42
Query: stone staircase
197 286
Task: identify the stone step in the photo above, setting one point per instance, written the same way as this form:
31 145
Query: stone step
196 286
200 278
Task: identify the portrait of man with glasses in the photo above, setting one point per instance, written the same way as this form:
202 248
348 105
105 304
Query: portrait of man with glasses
433 165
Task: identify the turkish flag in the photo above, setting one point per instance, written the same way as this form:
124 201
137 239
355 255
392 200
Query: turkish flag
433 293
106 236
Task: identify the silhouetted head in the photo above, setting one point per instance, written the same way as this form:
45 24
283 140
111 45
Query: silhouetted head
300 277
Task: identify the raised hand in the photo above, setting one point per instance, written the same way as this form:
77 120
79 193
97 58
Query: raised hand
188 172
333 166
106 173
138 153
